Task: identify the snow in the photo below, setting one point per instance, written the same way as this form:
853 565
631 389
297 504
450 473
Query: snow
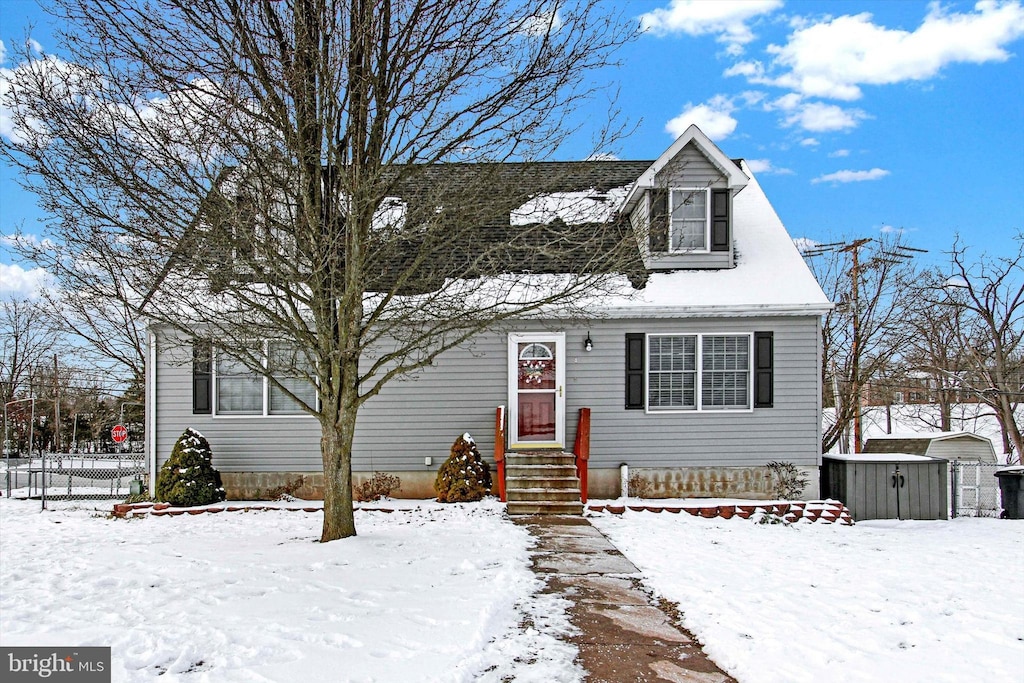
909 601
880 457
435 592
572 208
431 593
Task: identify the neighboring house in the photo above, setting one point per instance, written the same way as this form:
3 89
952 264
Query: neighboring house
698 377
949 445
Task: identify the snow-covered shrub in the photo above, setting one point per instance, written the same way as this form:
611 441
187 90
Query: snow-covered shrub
188 476
380 485
788 482
464 476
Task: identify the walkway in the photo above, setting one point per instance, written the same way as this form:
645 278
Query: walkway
625 636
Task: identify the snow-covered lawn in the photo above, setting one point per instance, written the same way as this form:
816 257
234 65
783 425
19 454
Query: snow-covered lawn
909 601
433 594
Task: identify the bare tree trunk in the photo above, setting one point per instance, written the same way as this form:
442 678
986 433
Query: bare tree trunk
336 449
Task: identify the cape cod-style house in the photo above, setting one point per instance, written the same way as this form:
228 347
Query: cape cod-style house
696 378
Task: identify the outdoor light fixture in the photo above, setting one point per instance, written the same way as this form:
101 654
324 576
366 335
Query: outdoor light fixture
588 344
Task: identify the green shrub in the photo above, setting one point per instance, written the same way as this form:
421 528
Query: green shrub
188 477
464 476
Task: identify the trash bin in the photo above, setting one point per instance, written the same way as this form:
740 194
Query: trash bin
1011 491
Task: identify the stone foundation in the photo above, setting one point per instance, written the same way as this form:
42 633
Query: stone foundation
310 485
679 482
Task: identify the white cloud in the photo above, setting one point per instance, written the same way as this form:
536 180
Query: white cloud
851 176
805 244
809 142
764 166
602 156
728 19
15 281
36 46
834 58
839 153
3 52
818 117
541 24
713 117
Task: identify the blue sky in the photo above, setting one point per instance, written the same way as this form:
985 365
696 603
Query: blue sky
860 118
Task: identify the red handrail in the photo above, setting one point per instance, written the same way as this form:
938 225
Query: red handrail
582 450
499 450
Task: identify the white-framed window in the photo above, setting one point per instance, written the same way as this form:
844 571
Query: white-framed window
242 391
239 390
689 219
292 369
699 372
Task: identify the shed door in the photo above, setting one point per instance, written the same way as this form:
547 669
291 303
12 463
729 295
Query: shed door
537 390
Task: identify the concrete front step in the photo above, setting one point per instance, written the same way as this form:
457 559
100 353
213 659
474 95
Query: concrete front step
541 480
542 458
544 508
570 495
540 471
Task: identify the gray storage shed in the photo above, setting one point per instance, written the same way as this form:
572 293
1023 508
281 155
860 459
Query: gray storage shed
948 445
887 485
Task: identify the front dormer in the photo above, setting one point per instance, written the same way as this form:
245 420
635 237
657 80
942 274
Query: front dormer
680 209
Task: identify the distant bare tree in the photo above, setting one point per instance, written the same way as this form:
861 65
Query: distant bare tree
984 299
27 339
864 334
277 170
934 348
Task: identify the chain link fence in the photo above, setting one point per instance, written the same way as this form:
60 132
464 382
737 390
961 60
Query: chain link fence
975 489
76 476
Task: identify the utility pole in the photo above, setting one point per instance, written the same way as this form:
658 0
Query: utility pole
854 249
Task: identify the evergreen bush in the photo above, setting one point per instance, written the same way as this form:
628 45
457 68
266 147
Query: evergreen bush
464 476
188 477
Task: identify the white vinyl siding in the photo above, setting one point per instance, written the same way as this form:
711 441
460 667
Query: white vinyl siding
699 372
689 225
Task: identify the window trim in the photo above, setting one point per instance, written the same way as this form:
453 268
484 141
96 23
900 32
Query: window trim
707 220
699 389
265 393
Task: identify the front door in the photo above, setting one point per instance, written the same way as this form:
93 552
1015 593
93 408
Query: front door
537 390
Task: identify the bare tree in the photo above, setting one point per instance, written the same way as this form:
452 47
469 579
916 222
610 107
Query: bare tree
985 304
321 173
863 335
27 340
934 348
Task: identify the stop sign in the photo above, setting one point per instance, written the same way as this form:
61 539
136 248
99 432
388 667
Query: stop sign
119 433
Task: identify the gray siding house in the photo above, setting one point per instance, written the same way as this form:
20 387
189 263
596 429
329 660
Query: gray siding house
695 377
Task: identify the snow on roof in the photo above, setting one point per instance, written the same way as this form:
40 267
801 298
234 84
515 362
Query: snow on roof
880 457
936 436
770 276
572 208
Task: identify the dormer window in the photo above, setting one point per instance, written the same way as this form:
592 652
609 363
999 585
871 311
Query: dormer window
689 230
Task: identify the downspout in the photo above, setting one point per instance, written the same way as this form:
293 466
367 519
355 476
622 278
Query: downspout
151 412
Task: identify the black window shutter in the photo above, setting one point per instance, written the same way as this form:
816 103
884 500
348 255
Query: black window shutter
720 237
764 364
658 236
635 371
202 379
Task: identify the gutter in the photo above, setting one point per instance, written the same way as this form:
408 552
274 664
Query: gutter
151 411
